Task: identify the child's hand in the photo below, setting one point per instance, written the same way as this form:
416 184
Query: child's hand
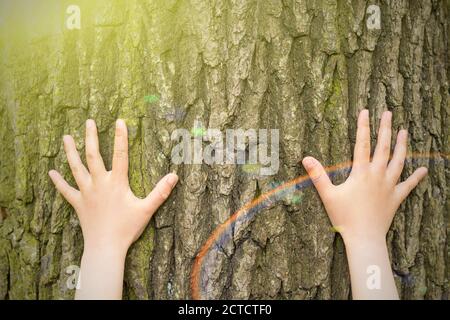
363 207
111 216
108 210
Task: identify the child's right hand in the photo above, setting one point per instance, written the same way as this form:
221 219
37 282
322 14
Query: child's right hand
363 207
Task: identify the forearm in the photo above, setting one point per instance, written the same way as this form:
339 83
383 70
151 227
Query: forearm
101 274
370 269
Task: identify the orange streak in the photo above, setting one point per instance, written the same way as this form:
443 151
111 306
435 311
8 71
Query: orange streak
196 269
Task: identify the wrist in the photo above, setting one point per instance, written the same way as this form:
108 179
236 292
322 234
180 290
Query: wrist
102 270
364 241
105 248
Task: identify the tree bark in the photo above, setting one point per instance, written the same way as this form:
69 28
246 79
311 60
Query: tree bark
303 67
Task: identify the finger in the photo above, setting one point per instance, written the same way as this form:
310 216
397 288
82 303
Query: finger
79 171
120 157
68 192
318 176
397 163
362 145
383 148
160 193
93 158
403 189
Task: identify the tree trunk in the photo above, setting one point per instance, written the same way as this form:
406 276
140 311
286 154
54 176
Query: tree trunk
303 67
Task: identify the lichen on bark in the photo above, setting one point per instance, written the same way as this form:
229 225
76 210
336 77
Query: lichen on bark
303 67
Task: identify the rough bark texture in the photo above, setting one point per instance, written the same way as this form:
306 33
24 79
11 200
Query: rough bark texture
304 67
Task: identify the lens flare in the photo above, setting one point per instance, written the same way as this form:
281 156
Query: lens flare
223 231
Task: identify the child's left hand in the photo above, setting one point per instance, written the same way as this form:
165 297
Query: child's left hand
111 216
108 210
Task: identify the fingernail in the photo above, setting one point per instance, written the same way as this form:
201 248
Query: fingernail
308 162
51 173
388 115
66 138
120 123
403 133
89 123
172 179
365 112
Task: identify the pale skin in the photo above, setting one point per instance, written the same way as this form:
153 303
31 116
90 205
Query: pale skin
111 216
363 207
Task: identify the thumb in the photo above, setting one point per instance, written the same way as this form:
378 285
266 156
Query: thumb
318 176
404 189
160 193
